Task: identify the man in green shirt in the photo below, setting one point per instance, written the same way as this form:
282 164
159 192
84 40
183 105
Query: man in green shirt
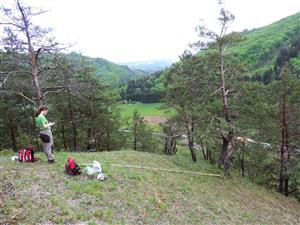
45 132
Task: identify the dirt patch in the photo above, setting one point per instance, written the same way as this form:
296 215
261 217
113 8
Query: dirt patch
7 189
155 119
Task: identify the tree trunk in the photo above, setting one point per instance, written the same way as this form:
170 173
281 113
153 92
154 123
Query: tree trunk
205 154
170 146
71 114
228 141
191 142
223 87
33 56
227 152
13 140
243 163
108 141
29 124
12 131
38 94
135 135
63 135
284 149
242 158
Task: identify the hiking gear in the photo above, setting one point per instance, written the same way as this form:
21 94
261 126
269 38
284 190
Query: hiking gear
72 168
26 154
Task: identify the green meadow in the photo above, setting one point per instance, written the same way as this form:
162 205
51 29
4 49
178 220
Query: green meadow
144 109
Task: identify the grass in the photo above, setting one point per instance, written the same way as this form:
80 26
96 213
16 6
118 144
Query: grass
41 193
145 109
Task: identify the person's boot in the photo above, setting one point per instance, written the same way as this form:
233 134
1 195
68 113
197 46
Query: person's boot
51 161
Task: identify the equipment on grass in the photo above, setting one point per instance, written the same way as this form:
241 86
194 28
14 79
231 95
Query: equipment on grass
26 154
72 168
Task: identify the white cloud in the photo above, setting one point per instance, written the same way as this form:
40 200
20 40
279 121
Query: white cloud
130 30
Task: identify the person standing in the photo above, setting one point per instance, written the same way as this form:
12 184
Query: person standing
45 132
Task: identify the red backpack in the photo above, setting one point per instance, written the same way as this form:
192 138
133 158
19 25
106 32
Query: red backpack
26 154
72 167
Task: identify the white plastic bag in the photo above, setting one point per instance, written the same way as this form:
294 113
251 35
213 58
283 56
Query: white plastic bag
97 167
89 170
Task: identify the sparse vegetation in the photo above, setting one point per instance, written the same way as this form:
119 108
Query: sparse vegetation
41 193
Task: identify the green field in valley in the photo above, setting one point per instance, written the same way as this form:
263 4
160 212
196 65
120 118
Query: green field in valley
145 109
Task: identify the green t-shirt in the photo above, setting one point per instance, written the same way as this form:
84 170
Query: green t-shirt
40 120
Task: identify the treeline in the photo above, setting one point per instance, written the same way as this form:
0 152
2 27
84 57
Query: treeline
148 89
287 52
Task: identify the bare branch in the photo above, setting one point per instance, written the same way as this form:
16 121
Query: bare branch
12 24
56 87
4 80
37 54
222 134
47 92
20 94
216 91
228 91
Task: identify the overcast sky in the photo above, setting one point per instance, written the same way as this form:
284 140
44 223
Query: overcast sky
136 30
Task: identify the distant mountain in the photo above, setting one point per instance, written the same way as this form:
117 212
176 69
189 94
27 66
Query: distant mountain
149 66
110 72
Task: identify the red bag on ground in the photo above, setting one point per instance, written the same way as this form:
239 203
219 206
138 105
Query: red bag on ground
72 167
26 154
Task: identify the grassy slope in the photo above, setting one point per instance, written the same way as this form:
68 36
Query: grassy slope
41 193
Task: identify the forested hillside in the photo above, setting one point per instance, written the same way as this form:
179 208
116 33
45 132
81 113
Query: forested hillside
265 50
110 73
235 105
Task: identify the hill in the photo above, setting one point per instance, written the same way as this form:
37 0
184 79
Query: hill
110 72
265 50
40 193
